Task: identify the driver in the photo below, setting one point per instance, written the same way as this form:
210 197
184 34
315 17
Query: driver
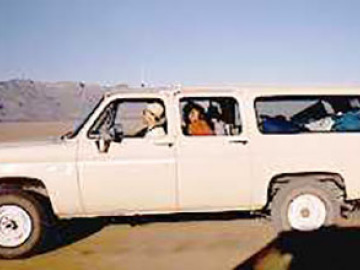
153 118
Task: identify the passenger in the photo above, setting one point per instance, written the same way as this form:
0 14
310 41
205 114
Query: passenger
217 124
153 117
195 120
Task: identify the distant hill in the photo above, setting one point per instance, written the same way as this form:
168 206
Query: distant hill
27 100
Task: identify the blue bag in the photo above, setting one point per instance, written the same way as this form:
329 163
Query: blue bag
349 121
279 125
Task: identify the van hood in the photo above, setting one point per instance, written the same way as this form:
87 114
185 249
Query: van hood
17 144
50 150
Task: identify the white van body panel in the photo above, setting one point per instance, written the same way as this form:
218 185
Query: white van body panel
134 176
277 154
51 162
212 170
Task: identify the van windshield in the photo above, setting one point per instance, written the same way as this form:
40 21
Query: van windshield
79 124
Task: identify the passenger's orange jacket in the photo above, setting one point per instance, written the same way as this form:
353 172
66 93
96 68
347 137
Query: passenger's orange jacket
200 128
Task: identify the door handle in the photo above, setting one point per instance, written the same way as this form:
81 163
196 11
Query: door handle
241 141
164 143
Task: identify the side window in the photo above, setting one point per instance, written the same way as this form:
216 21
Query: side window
299 114
210 116
133 118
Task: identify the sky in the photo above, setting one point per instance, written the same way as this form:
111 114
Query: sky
194 42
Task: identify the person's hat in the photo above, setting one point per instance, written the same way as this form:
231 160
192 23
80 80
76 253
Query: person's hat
155 109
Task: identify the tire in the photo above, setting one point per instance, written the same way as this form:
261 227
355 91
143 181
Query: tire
22 224
305 206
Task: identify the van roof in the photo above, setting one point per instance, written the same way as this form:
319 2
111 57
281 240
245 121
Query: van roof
257 90
275 88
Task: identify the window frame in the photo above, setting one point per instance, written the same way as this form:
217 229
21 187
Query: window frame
207 97
130 99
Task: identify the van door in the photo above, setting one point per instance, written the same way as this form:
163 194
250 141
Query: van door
213 153
136 174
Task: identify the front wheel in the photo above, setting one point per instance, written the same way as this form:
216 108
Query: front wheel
305 207
21 224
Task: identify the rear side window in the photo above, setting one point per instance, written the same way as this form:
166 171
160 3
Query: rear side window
304 114
210 116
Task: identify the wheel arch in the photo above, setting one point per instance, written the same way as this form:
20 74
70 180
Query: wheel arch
32 186
285 178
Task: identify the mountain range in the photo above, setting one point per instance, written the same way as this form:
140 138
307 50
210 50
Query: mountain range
28 100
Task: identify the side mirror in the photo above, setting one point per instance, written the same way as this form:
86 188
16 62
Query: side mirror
103 145
116 133
103 141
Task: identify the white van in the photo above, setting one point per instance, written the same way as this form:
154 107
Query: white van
292 151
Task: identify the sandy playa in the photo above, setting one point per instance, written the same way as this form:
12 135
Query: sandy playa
158 245
15 131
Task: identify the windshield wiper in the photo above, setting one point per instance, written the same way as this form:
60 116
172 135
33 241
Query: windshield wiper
66 135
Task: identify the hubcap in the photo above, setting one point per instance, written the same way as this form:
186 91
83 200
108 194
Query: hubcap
15 226
306 212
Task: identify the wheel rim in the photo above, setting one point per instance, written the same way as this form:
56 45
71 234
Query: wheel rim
15 226
306 212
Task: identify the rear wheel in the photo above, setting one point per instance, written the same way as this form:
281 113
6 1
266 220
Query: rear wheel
22 222
305 206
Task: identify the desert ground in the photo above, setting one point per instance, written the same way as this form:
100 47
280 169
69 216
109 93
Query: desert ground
193 241
19 131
